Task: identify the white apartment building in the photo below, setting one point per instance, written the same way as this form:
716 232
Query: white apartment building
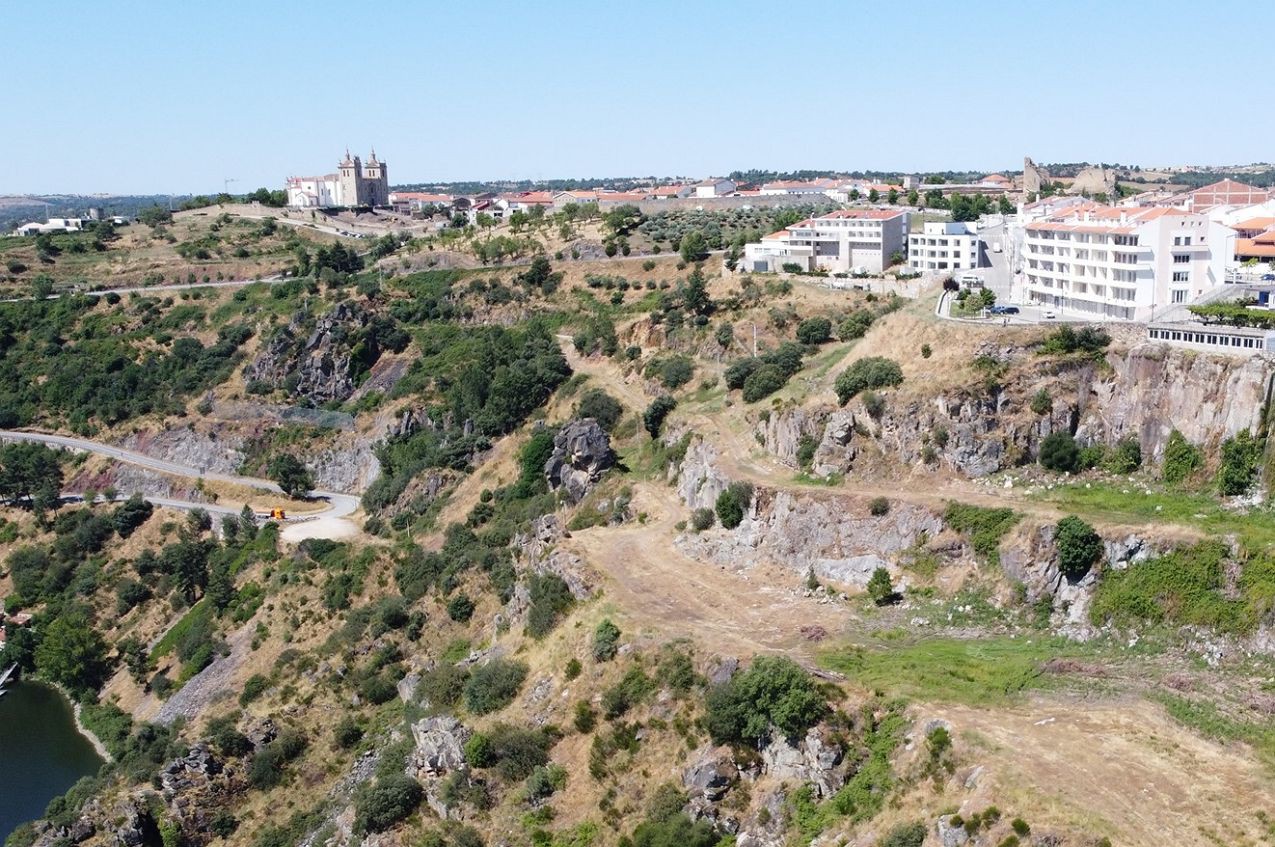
944 246
844 241
1119 263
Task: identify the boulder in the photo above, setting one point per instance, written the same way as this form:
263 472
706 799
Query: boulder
815 759
581 454
440 745
950 836
711 775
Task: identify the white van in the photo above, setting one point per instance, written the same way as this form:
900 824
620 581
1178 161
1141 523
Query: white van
970 281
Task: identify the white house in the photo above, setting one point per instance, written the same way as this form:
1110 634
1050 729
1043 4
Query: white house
715 188
944 246
1120 263
847 240
52 225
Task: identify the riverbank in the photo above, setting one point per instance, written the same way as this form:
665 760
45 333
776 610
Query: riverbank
98 746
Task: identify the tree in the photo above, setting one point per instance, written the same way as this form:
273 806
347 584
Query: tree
291 475
30 471
866 373
854 194
729 510
874 196
42 287
695 297
814 331
221 585
623 219
606 639
393 798
693 247
774 693
72 653
1079 547
154 216
880 588
1058 452
602 407
653 417
892 197
1004 206
913 197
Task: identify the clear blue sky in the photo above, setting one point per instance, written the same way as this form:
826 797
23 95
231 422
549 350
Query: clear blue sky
135 96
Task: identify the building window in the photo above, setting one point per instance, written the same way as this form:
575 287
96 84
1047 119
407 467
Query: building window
1178 296
1181 276
1181 258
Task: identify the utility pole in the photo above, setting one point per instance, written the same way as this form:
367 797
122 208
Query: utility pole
225 184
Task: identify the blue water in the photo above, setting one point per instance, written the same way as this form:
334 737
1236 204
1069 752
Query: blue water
41 753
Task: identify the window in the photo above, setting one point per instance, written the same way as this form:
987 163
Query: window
1181 258
1178 296
1181 276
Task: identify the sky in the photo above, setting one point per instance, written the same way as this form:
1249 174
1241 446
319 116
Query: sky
144 96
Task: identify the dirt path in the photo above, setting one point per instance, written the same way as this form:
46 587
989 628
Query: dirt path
661 589
1118 768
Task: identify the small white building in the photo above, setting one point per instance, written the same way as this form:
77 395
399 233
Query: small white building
844 241
52 225
715 188
944 246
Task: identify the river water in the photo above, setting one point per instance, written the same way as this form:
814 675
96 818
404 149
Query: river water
41 753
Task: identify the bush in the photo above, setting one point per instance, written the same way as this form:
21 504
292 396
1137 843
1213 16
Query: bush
513 752
729 510
926 351
1238 467
866 373
1020 827
633 688
1125 457
904 835
807 446
762 382
460 608
443 687
1079 547
773 692
1058 452
606 639
602 407
392 799
347 733
873 404
653 417
855 326
814 331
880 588
674 372
551 599
1041 402
984 527
1181 459
585 718
702 519
267 768
253 687
378 689
1065 340
879 506
494 685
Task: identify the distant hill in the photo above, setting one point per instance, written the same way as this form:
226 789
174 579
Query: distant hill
18 209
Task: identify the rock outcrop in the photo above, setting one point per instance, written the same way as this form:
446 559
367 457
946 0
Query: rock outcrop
581 454
320 366
440 746
816 759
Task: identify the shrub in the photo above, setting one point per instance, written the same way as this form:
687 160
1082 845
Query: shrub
573 668
512 751
392 799
1020 827
773 692
460 608
724 335
904 835
606 640
674 372
551 599
880 588
1079 547
855 326
633 688
1238 467
494 685
602 407
807 446
1058 452
866 373
347 733
443 687
1125 457
762 382
653 417
926 351
1065 340
1041 402
585 718
267 769
378 689
814 331
1181 459
873 404
879 506
984 527
702 519
738 371
253 688
730 511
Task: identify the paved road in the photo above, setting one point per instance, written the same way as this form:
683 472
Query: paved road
339 505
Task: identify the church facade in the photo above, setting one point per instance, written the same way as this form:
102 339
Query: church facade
356 183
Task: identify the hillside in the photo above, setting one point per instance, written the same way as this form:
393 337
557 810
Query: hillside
649 552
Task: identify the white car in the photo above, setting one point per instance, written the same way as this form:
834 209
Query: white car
1049 315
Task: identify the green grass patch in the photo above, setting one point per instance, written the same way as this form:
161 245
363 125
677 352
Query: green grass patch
975 672
983 527
198 614
1209 721
1130 503
1188 586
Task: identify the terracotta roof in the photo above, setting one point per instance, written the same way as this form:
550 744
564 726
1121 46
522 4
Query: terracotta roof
777 234
1228 192
669 190
1250 247
1259 224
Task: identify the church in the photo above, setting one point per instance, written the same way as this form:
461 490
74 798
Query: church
356 183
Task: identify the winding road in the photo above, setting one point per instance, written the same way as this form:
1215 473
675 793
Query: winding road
340 505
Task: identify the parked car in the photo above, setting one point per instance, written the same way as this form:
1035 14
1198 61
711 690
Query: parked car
1049 315
1009 310
1268 277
